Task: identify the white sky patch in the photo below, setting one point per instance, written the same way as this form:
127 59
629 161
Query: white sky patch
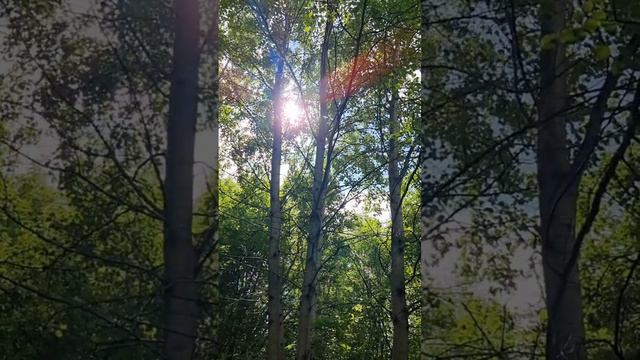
284 171
358 205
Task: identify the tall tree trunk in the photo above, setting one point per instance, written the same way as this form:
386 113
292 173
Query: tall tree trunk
424 200
399 313
275 349
557 197
320 179
181 293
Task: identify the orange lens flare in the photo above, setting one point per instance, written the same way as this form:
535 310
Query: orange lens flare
367 68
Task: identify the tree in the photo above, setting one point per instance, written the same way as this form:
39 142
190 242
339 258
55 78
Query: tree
275 351
182 307
399 311
559 177
321 171
565 333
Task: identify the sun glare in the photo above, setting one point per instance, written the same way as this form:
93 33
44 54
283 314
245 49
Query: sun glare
292 112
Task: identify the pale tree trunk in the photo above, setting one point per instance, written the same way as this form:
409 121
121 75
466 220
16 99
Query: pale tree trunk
181 293
558 196
320 178
275 349
424 210
399 313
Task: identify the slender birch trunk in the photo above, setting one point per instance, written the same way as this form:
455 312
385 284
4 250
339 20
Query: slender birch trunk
275 350
399 312
320 179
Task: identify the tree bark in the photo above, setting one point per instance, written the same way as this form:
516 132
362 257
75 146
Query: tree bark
181 295
399 313
557 197
275 349
320 176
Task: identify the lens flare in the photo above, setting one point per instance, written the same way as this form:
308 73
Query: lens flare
292 112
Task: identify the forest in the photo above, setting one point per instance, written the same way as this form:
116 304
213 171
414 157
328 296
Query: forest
320 179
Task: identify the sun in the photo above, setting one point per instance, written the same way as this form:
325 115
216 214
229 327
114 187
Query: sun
292 111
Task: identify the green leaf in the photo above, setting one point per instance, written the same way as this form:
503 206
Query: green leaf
599 15
568 36
588 6
602 52
592 24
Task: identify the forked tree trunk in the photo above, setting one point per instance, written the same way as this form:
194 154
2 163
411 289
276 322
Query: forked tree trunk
181 293
320 178
275 350
399 313
558 196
